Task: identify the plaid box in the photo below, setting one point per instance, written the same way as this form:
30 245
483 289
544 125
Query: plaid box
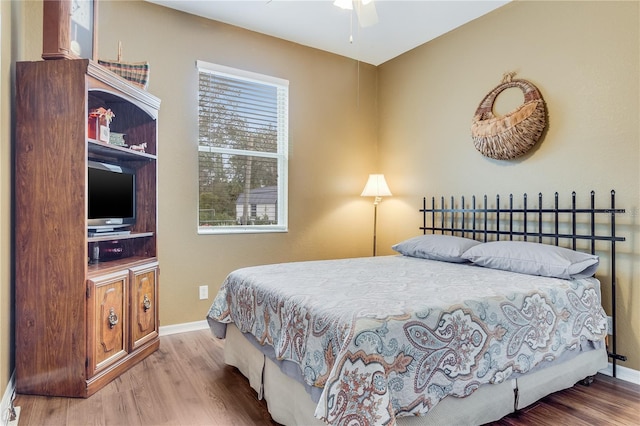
135 72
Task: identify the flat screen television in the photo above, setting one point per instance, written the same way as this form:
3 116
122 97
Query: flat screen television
111 191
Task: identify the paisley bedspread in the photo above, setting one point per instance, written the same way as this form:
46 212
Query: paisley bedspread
391 336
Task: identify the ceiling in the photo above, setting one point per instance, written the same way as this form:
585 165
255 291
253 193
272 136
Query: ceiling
402 24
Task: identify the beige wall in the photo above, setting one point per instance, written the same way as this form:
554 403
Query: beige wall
332 138
584 58
5 194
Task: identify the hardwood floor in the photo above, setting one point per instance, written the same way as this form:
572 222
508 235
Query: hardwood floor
186 383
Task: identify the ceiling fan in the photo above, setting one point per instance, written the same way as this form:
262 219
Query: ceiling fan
365 10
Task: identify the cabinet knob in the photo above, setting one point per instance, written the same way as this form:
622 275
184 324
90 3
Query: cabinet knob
113 318
146 303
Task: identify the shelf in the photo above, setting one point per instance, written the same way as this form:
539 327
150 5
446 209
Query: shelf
105 267
119 152
120 237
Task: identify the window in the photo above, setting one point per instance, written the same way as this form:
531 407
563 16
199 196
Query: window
242 151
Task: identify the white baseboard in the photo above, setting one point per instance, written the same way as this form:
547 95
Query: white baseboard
6 400
183 328
623 373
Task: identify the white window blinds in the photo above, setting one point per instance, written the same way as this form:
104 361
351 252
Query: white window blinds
242 150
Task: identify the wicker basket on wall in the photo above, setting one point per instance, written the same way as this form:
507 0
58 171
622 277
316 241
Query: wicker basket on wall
515 133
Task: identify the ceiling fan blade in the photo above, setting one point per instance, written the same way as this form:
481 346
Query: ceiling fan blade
344 4
366 11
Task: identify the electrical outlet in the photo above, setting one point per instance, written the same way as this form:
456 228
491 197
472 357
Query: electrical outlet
204 292
609 325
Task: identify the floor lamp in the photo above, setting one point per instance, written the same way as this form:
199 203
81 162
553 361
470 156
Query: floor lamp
376 187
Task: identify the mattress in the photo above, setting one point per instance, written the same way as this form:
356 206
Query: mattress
390 337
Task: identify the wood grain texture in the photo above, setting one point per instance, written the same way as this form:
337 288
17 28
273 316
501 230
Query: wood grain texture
108 342
50 234
186 382
56 37
63 349
144 312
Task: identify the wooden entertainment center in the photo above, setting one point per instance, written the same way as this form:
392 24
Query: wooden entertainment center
79 322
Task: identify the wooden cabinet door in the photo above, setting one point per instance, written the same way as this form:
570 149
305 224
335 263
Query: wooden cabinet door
144 304
107 315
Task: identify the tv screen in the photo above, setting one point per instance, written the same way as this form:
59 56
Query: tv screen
111 196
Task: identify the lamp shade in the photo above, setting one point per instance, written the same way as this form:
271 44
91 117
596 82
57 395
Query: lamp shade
376 187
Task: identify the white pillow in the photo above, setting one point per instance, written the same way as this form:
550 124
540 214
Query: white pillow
533 259
447 248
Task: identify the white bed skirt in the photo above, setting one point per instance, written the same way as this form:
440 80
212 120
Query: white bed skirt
290 404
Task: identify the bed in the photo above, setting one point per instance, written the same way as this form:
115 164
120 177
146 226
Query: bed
466 324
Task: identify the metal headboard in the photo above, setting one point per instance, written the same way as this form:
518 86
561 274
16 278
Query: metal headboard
489 223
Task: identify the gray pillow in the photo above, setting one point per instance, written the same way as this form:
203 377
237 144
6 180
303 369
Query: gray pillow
533 259
447 248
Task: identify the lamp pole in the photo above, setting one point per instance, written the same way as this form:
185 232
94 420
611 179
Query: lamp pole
377 187
375 222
